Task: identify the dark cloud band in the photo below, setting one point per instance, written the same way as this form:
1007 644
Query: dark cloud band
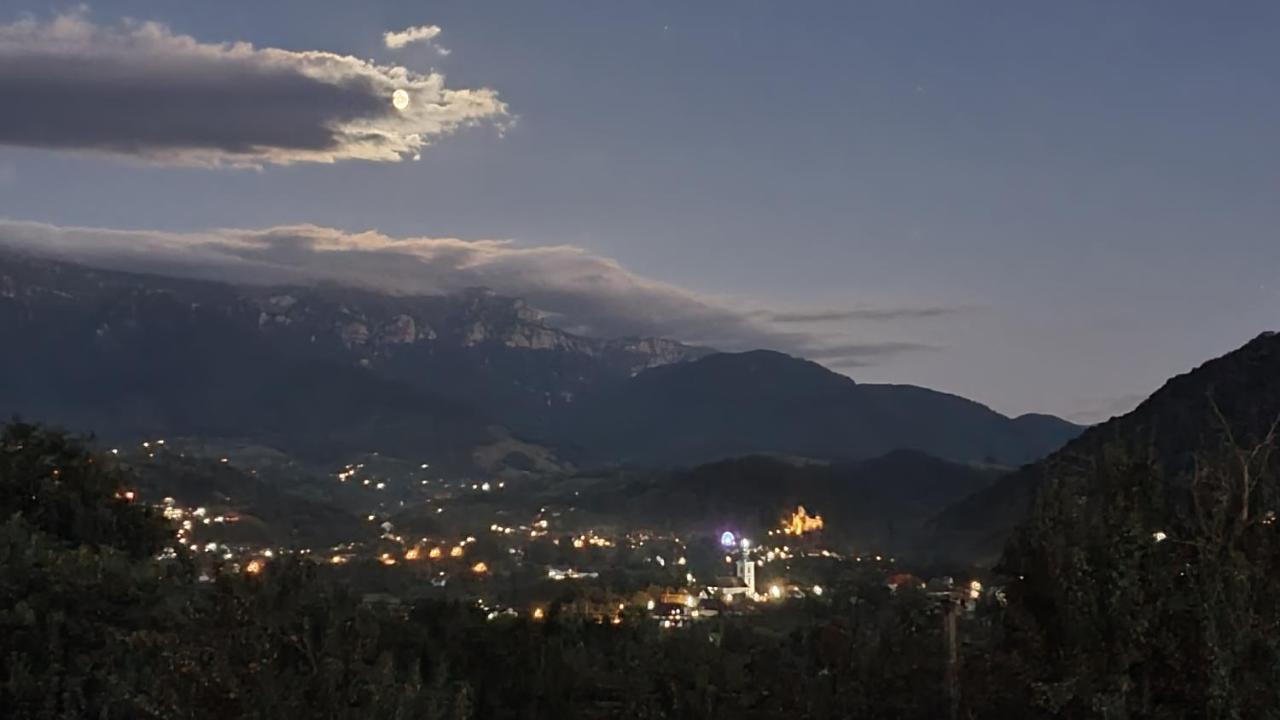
835 315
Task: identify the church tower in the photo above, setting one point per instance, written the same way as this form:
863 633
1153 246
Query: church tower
747 567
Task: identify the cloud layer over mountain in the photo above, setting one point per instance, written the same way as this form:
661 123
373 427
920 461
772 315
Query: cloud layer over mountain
138 89
579 291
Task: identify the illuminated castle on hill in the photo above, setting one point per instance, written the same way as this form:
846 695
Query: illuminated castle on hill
802 523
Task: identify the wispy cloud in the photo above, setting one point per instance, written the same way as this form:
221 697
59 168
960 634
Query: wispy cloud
395 40
863 354
1098 410
137 89
578 290
870 313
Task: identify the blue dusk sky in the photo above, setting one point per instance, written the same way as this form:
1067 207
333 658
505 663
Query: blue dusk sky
1044 206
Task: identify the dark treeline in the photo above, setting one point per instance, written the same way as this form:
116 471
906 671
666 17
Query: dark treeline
1131 595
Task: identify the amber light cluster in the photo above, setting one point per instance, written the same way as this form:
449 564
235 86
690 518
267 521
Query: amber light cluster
801 522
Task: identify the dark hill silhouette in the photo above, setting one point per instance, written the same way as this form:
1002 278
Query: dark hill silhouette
877 504
763 402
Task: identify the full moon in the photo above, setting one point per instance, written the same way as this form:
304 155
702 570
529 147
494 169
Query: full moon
400 99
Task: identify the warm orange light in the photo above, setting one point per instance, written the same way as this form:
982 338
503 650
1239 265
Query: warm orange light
538 614
801 522
412 554
455 551
387 559
254 567
435 553
480 568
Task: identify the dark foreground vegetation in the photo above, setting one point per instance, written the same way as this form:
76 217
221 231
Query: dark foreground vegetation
1130 594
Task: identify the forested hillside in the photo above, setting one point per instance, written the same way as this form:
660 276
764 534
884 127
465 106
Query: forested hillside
1237 394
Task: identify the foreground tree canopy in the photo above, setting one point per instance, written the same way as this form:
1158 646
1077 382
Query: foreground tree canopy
1141 591
1132 593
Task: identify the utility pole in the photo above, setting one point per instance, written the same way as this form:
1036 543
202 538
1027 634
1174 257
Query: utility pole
950 611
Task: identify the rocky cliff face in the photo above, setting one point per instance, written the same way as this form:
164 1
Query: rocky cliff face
369 324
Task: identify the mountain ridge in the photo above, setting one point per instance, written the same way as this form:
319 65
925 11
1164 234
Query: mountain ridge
138 354
1170 426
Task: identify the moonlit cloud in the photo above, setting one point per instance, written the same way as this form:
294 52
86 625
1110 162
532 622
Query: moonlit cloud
137 89
577 290
422 33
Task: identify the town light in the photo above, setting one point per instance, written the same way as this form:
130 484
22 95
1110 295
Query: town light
727 539
775 592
